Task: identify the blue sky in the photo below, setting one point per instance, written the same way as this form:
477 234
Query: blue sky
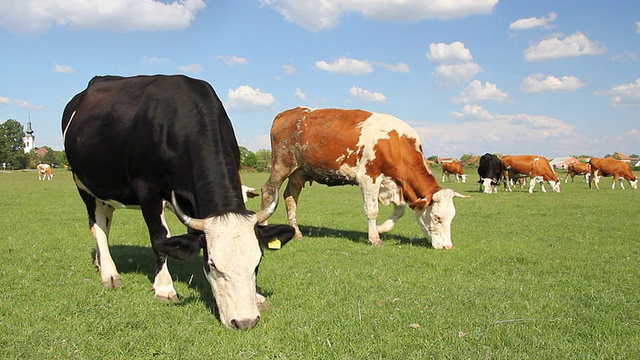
547 77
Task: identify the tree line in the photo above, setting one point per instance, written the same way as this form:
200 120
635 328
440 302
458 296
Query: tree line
12 149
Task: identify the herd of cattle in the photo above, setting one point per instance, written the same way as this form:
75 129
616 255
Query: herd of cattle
150 141
512 169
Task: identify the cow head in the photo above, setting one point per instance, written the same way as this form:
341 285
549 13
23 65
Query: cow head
435 217
231 258
489 185
634 183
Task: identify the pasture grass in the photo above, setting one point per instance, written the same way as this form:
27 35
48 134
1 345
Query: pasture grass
531 276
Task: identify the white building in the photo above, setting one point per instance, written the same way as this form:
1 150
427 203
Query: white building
29 139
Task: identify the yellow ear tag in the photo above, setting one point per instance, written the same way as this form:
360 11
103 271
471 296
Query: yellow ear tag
274 244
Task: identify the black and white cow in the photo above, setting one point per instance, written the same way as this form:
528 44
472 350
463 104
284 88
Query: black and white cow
139 141
490 171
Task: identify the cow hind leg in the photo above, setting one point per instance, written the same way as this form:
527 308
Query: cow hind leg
291 195
100 218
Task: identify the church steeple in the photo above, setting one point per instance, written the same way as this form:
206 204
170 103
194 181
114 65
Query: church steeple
29 140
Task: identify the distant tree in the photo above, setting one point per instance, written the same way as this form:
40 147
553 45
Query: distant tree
263 162
11 145
433 158
50 157
634 156
466 157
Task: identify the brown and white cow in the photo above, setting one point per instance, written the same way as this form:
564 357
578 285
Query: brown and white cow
537 168
455 168
44 172
378 152
578 168
611 167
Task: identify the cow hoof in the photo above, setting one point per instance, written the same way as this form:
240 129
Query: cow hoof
376 243
114 281
167 298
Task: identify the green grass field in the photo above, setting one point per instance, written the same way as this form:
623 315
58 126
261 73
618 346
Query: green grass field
531 276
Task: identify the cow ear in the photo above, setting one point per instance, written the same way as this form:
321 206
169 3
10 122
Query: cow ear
180 247
420 204
274 236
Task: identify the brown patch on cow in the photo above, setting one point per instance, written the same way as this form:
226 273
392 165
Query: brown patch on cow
397 158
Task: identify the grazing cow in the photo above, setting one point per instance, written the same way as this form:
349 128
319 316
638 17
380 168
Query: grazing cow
140 141
533 166
455 168
490 171
45 172
578 168
378 152
611 167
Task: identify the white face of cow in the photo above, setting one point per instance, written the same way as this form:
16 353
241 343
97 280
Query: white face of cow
486 184
555 185
435 220
634 183
233 254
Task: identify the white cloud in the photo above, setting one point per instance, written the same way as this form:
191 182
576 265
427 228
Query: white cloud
317 15
65 69
233 60
624 95
540 83
475 91
399 67
288 69
21 103
456 73
533 22
38 16
366 94
300 95
246 98
346 66
478 131
453 53
191 68
637 27
573 45
455 63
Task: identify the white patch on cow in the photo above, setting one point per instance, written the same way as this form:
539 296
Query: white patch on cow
64 133
233 277
390 194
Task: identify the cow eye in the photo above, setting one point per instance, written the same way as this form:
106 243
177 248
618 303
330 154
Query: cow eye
437 218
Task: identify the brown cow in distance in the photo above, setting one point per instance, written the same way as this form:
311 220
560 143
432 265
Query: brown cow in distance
378 152
578 168
455 168
533 166
611 167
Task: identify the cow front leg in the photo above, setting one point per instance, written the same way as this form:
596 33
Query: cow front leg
370 194
162 283
398 212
